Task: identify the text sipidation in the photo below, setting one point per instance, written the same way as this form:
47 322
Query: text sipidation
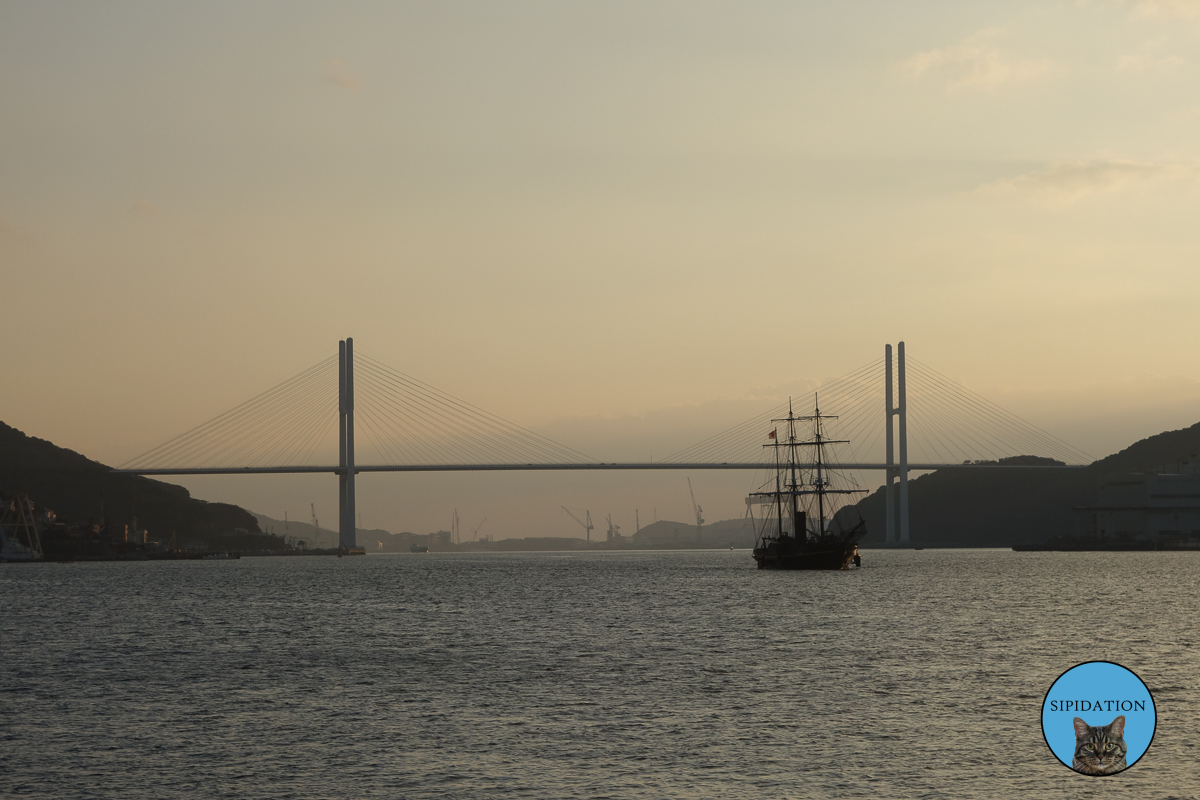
1097 705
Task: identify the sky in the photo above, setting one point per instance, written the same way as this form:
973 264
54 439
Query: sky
625 226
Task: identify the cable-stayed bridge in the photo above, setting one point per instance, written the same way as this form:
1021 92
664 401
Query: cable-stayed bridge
410 426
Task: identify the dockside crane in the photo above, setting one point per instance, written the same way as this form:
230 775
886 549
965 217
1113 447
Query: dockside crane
613 530
587 526
477 527
696 509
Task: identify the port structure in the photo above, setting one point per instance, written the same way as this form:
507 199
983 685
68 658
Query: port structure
614 531
588 527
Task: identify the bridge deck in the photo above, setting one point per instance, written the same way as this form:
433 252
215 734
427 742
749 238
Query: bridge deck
361 468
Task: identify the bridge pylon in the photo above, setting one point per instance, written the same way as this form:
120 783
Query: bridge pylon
889 473
896 407
346 516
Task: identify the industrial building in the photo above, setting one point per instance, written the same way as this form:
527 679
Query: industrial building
1163 508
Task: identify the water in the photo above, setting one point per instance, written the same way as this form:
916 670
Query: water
619 675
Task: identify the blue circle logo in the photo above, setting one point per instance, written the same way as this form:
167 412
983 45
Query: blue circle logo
1098 718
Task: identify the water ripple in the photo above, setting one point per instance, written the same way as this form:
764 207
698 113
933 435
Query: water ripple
619 675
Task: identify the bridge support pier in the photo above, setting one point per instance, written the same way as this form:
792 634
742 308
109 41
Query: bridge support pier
346 516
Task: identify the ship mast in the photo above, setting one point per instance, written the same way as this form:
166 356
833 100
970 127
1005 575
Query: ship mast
778 488
787 473
792 464
820 482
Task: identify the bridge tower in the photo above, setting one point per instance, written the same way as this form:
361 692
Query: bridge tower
889 496
892 470
902 410
346 517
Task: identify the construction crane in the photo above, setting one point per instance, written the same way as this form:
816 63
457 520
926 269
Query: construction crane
477 527
696 509
613 530
587 526
316 525
454 533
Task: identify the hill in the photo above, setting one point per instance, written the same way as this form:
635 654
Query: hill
82 491
666 534
1000 508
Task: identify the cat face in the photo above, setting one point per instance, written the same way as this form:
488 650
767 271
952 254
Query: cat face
1099 750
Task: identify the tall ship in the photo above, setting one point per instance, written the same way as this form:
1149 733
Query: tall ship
19 538
802 528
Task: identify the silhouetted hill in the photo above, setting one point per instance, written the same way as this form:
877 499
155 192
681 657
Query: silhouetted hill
1002 507
1157 453
78 488
669 535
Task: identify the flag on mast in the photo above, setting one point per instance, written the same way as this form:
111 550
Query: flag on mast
771 435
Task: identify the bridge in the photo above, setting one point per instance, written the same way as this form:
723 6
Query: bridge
414 427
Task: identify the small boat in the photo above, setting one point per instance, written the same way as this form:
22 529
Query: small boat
418 548
220 556
803 529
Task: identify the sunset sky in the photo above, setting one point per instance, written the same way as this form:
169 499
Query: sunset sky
626 226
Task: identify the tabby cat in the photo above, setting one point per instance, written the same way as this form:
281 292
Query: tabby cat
1099 750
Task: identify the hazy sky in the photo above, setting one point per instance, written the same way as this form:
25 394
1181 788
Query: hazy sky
592 217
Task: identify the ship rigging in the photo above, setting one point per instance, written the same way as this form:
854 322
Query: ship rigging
792 536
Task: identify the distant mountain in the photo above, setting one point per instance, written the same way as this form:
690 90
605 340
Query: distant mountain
1003 507
669 535
82 491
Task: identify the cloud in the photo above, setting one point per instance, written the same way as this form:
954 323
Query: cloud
1168 9
339 73
976 64
1067 182
1147 63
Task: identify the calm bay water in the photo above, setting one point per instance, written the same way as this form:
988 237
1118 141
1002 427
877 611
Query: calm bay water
547 675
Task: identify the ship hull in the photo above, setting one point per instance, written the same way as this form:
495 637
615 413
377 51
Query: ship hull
778 555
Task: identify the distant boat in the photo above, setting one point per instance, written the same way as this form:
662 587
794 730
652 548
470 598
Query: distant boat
220 556
794 533
418 548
